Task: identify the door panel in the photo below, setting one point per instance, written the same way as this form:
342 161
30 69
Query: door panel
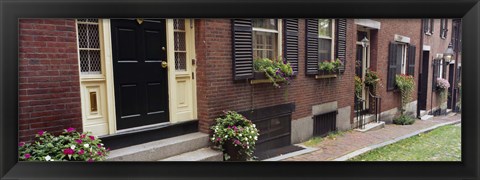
141 84
423 83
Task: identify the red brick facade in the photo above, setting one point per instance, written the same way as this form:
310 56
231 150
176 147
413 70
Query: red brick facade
49 93
49 88
217 91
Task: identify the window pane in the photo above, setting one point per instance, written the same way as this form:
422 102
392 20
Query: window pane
324 49
265 23
325 27
180 44
264 45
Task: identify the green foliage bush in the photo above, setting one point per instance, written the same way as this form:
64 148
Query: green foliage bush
358 86
330 66
404 120
405 84
69 146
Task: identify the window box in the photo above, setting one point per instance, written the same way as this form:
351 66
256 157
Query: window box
322 74
260 78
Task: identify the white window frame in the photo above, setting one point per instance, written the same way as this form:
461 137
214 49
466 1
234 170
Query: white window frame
332 45
278 33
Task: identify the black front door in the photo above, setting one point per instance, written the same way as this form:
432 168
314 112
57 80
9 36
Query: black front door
423 82
138 48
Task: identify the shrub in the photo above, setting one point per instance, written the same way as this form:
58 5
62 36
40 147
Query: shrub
234 130
358 86
330 66
275 70
404 120
69 146
405 84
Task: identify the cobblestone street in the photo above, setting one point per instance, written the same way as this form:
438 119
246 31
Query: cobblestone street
330 149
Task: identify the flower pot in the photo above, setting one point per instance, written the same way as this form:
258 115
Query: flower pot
236 153
259 75
322 74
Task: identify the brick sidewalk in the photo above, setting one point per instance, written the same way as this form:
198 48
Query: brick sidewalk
330 149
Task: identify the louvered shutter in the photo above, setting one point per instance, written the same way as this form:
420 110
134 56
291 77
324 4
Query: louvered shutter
242 49
425 26
436 73
432 23
341 42
411 60
291 43
392 66
311 64
442 30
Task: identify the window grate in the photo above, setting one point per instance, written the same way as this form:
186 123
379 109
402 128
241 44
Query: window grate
180 47
89 46
324 123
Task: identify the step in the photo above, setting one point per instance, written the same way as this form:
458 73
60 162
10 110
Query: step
423 113
367 118
426 117
372 126
204 154
161 149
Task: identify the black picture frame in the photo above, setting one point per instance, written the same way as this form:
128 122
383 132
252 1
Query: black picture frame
11 11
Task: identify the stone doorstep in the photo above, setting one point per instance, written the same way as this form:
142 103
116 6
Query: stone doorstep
204 154
372 126
426 117
161 149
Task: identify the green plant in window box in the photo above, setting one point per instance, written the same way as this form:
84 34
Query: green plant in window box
276 70
235 135
330 67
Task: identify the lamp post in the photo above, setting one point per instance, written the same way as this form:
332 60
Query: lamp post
448 54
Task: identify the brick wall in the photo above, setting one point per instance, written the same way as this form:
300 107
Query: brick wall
217 91
437 45
379 57
49 94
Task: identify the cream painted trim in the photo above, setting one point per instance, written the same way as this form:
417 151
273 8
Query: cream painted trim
191 54
112 125
171 69
280 37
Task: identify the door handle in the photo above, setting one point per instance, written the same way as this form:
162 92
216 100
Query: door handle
164 64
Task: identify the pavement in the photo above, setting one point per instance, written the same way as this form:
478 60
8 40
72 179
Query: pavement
354 143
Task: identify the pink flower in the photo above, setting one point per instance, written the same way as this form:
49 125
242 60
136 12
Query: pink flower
41 133
99 146
99 153
82 136
92 137
21 144
237 142
27 156
68 151
90 160
219 139
71 129
108 149
81 152
79 141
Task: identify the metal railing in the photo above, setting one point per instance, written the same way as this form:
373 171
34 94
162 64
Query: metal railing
360 110
359 113
377 100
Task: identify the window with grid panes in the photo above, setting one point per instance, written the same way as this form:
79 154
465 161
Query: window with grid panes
265 33
180 49
89 46
325 39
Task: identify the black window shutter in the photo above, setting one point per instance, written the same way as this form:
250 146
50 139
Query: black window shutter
445 29
411 60
291 43
341 43
311 64
392 66
436 72
242 49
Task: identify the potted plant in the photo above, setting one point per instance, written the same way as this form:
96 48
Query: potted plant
69 146
405 84
372 80
442 86
235 135
329 67
275 71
